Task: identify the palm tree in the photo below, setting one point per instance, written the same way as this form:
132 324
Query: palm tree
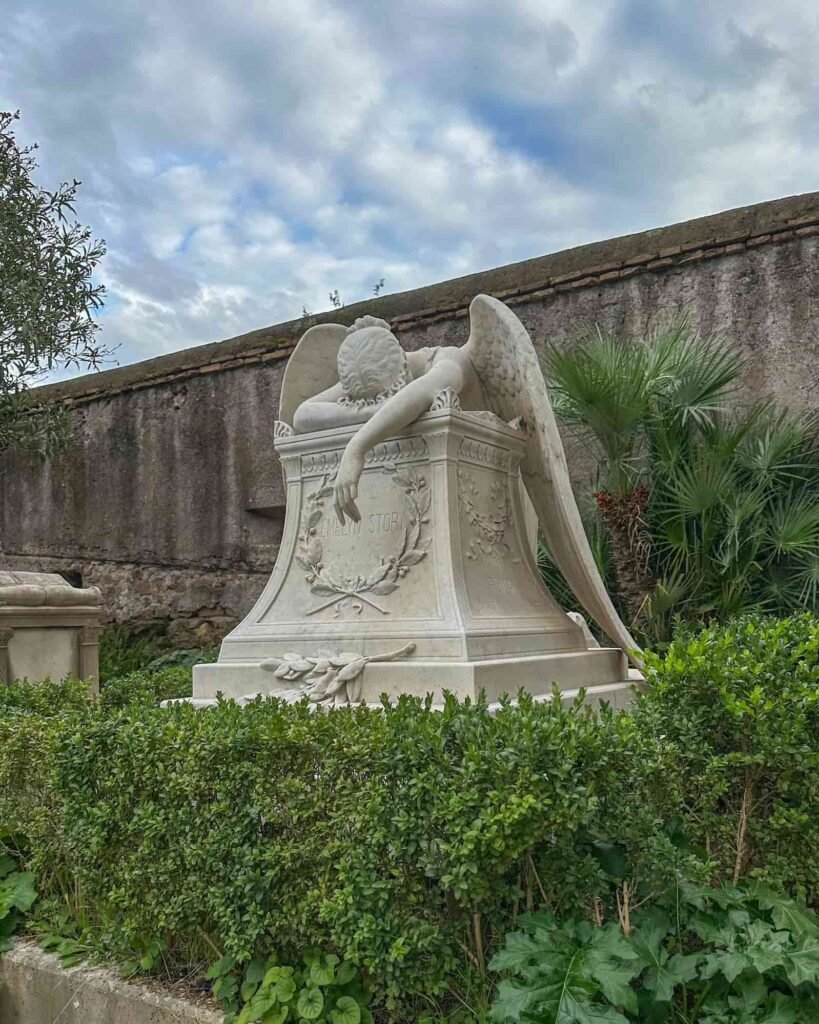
708 509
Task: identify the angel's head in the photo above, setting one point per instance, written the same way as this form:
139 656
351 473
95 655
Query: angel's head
371 363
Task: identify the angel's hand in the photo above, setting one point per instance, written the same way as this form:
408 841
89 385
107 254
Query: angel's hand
346 485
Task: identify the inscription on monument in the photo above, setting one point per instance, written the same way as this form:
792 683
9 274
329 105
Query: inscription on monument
374 523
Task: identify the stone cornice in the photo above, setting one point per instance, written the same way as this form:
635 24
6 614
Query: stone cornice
587 266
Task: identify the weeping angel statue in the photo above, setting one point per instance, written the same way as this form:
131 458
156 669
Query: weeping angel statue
367 379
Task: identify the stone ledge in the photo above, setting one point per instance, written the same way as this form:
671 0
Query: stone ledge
36 989
586 266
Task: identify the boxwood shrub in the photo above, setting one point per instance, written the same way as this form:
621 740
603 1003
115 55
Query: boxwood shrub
737 708
406 840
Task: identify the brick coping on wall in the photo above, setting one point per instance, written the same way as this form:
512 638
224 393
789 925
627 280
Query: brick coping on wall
587 266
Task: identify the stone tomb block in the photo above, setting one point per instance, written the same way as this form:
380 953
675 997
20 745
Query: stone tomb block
438 576
48 629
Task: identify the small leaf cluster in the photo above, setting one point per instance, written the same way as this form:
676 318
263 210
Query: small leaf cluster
324 990
699 955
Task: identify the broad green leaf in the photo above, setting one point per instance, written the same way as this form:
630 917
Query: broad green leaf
583 1011
787 913
613 859
660 977
802 964
17 892
513 1000
255 971
323 972
782 1010
275 974
604 961
519 950
257 1008
223 966
345 973
751 991
285 989
310 1003
8 924
729 964
346 1011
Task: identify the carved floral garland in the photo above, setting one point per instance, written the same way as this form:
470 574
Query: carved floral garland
329 678
384 578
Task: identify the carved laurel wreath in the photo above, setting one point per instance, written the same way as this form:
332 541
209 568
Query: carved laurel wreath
384 577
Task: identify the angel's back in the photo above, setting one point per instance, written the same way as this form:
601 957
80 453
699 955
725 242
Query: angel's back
472 395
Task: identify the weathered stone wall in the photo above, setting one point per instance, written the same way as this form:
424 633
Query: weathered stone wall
172 503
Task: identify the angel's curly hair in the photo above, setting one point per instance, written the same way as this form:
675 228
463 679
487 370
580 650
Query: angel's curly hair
371 363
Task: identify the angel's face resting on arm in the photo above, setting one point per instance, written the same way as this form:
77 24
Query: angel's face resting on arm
372 366
378 391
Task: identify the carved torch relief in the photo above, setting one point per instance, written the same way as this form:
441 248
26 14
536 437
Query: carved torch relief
492 562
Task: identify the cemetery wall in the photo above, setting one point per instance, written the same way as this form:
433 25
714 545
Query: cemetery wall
171 500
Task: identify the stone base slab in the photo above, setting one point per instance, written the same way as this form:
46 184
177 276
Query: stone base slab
598 671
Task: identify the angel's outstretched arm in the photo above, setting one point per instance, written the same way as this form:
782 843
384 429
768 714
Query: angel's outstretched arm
323 411
398 412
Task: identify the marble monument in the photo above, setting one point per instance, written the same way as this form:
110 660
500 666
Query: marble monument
405 565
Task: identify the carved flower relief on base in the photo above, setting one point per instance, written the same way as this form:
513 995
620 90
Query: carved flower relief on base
327 678
488 525
329 580
448 398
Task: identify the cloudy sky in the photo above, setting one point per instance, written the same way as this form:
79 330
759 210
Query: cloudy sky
243 158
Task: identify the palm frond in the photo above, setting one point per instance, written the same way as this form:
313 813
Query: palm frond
793 525
806 574
782 447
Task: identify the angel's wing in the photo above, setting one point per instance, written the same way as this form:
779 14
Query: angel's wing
311 369
505 359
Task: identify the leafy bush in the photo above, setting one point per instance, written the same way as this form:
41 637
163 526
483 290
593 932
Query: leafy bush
147 687
44 698
710 509
698 956
404 840
182 659
125 649
737 706
407 841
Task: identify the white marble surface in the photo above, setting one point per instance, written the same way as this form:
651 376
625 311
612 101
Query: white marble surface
440 560
407 561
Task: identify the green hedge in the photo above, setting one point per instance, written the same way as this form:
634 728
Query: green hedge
737 709
405 840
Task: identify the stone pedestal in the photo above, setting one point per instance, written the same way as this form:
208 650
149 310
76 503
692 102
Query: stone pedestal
438 579
48 629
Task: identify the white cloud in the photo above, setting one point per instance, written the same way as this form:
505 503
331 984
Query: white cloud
243 160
